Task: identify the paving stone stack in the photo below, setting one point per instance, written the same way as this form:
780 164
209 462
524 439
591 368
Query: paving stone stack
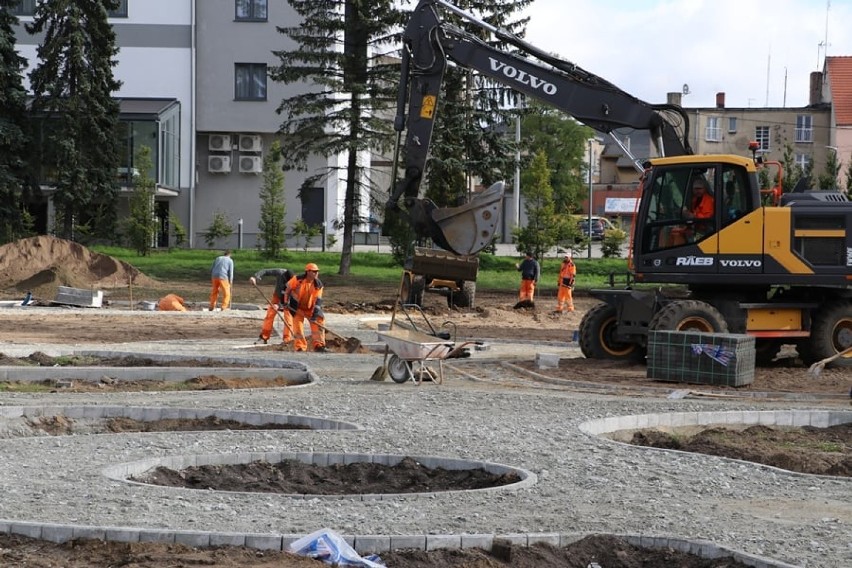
723 359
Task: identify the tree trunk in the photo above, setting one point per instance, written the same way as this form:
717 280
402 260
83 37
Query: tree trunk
350 200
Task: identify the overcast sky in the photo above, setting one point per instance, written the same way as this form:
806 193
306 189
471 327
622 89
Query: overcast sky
744 48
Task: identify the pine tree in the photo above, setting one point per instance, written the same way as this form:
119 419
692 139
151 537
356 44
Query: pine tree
542 229
339 52
13 131
140 226
72 85
272 204
828 178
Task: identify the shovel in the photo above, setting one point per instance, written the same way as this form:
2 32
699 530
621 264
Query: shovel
265 299
817 367
352 344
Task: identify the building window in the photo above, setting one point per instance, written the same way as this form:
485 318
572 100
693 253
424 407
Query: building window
120 12
250 81
251 10
732 124
804 128
24 8
761 136
27 8
713 133
803 160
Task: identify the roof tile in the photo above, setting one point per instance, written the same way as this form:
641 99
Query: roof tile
839 71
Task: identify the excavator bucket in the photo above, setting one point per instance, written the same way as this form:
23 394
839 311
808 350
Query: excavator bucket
469 228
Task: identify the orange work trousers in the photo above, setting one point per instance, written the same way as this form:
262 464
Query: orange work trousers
269 322
564 299
527 291
317 333
224 285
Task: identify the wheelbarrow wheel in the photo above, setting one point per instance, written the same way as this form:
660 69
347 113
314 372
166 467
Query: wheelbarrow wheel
399 369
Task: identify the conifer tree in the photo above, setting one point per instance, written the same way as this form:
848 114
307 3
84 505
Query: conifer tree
339 53
542 229
13 131
73 84
272 204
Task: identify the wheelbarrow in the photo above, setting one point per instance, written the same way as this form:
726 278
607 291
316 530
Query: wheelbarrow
413 349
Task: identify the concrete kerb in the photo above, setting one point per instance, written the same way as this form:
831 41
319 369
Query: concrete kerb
367 544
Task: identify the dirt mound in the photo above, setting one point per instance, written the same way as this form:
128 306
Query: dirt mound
41 264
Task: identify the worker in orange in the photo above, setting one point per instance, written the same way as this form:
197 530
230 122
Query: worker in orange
701 208
171 303
565 285
530 271
278 303
305 293
221 279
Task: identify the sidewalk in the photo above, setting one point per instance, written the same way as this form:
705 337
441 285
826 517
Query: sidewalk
503 249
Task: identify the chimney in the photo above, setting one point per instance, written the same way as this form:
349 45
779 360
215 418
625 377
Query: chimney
674 98
720 100
816 88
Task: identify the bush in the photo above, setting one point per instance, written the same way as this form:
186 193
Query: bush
613 239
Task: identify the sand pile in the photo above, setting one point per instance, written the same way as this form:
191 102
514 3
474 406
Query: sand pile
42 264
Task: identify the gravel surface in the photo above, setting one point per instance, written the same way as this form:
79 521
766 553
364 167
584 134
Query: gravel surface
585 484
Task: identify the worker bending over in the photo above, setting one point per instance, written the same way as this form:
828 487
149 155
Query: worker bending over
279 303
305 293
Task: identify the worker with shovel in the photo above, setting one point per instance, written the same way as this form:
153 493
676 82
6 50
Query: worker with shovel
305 294
278 306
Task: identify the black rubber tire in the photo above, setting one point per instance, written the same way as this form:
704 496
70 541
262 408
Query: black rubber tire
596 329
688 315
462 298
405 289
831 333
398 369
416 290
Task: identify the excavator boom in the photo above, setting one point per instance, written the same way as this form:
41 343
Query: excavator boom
429 42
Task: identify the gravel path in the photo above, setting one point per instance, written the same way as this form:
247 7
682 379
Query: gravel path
584 484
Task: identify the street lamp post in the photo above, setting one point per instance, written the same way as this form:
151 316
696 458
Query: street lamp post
591 164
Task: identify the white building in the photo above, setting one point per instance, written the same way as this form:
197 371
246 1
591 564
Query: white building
195 89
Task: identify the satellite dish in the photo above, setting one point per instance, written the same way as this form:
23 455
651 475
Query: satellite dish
685 89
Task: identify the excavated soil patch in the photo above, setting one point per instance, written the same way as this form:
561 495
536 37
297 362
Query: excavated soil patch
821 451
595 550
64 426
296 477
108 384
787 375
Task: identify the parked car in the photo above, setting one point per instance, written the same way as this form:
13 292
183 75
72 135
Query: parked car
599 226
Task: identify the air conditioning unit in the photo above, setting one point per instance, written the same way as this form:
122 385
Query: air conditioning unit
220 143
250 143
251 164
219 164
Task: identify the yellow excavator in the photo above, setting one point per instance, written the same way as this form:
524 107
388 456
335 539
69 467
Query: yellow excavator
777 267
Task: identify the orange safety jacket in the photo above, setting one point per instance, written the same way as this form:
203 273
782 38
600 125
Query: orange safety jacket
567 273
703 208
305 296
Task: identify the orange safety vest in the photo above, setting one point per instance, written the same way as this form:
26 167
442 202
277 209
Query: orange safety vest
305 296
